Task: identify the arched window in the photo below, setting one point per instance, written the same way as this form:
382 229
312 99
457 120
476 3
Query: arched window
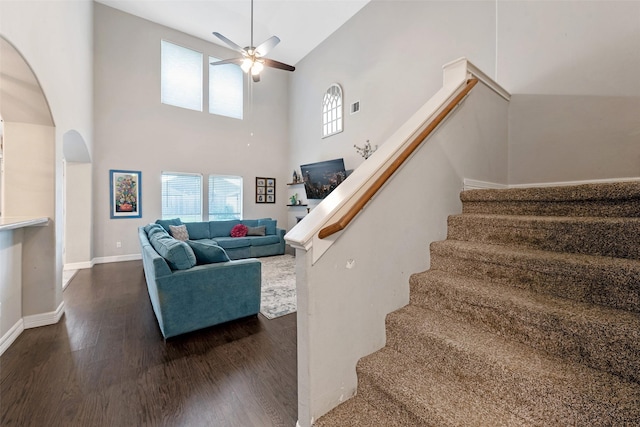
332 111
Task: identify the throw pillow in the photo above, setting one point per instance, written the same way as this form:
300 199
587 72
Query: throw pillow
179 232
207 253
256 231
239 230
270 225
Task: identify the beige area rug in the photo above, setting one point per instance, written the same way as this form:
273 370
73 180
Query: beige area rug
278 286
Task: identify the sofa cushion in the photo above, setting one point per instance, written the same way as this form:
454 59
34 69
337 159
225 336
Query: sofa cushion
198 230
179 232
256 231
151 228
178 255
165 223
221 228
263 240
270 225
207 253
250 222
233 242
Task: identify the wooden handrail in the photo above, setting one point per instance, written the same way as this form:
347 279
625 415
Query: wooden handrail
395 165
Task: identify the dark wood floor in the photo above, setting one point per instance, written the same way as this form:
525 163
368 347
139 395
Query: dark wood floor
106 364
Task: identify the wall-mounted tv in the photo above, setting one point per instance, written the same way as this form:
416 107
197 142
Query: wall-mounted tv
322 178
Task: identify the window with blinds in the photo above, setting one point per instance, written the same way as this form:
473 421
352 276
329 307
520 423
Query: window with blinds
180 76
182 196
225 197
181 82
225 89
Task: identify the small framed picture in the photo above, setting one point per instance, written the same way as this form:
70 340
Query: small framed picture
265 190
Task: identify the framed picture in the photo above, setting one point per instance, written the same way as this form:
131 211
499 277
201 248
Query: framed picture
125 193
265 190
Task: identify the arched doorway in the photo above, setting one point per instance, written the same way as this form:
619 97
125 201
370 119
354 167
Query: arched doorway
76 202
30 259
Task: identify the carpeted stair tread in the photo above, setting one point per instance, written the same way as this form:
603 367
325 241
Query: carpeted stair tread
357 412
533 384
621 199
615 237
614 282
629 190
418 396
600 337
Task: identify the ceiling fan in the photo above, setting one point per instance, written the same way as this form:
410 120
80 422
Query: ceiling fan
252 59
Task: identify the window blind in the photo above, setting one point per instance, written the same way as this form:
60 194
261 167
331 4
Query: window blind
182 196
181 76
225 89
225 197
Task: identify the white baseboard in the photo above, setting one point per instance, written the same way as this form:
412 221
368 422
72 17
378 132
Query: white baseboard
29 322
117 258
78 265
568 183
7 339
472 184
101 260
44 319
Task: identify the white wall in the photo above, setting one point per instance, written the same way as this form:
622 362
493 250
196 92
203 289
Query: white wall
55 39
389 56
572 67
134 131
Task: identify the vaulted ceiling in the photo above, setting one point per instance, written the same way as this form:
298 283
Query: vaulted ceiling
300 24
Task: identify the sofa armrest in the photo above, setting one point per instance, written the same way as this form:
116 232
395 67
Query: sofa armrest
208 294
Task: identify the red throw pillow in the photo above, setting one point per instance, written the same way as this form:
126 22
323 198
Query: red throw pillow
239 230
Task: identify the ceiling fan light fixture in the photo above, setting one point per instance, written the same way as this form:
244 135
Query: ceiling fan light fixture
257 68
246 65
253 59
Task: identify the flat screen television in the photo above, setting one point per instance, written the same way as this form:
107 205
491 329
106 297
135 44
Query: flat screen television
322 178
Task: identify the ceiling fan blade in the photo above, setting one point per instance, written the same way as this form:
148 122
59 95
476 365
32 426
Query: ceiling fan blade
231 44
255 77
267 45
236 61
276 64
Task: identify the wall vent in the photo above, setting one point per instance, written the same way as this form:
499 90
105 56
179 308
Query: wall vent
355 107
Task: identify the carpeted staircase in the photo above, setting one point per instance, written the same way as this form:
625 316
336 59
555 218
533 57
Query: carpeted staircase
529 316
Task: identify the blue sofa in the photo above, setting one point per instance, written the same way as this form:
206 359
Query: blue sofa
193 288
219 233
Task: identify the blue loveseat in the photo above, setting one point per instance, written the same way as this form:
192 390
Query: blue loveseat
195 287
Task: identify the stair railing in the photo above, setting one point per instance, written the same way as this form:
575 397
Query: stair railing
395 165
318 229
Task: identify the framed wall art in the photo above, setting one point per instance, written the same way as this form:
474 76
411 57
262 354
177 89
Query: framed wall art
265 190
125 194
